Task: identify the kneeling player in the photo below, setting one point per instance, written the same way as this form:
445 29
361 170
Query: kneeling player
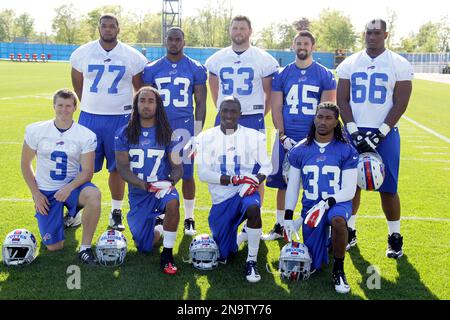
65 154
144 160
233 160
326 164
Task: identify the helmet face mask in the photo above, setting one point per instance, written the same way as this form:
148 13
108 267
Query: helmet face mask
111 248
295 262
204 252
370 171
19 247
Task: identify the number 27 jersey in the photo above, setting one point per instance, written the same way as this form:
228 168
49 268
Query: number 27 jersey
372 82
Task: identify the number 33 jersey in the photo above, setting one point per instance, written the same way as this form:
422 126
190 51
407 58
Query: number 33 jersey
372 83
58 153
107 76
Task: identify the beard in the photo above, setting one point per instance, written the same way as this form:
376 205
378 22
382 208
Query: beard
239 40
109 40
303 55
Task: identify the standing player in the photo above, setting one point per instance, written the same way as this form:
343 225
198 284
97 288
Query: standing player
297 89
145 160
178 78
104 72
233 160
245 72
64 168
325 164
373 91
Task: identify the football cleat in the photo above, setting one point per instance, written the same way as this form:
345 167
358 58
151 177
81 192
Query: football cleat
189 227
242 236
340 282
351 238
395 243
72 222
88 257
276 233
167 264
251 272
115 220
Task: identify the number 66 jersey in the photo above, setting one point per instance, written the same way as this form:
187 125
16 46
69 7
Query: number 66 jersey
107 76
372 82
58 153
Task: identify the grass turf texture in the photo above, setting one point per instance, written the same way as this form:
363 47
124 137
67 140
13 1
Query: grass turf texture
25 96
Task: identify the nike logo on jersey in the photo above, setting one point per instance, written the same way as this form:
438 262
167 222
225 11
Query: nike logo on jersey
60 143
107 60
187 120
260 120
354 158
370 67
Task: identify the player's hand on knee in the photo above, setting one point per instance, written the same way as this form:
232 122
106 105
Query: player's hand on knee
287 142
247 179
247 190
161 188
41 203
63 193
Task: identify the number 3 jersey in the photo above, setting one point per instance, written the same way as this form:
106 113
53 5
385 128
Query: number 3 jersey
175 82
302 91
240 75
372 83
58 153
321 168
148 159
107 76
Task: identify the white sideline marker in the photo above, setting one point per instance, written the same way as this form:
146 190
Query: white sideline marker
421 126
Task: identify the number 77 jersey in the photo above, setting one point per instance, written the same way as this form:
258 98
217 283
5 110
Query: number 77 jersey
372 83
107 76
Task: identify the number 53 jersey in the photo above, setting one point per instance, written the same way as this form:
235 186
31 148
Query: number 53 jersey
372 83
107 76
58 153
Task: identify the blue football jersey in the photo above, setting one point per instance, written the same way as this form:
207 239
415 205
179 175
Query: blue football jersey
148 159
321 168
175 82
302 90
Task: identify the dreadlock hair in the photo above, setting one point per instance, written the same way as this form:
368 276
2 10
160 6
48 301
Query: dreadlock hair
163 128
338 131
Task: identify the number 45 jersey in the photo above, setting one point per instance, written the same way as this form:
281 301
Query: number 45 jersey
58 153
107 76
372 83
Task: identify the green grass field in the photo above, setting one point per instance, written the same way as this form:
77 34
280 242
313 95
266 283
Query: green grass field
422 273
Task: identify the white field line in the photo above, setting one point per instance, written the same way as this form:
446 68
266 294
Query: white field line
431 131
107 204
424 160
10 142
39 95
429 147
437 153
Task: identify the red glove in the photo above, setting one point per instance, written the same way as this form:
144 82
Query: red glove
249 179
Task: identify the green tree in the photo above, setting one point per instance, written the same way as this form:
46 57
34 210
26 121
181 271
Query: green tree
267 37
66 25
7 25
24 25
148 28
428 37
390 26
333 30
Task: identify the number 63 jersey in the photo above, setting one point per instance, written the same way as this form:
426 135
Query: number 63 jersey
107 76
372 82
58 153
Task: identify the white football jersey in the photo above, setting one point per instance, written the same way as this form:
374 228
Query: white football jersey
240 75
107 76
243 152
58 153
372 83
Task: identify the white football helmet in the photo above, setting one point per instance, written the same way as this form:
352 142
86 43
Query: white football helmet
19 247
295 261
111 248
370 171
204 252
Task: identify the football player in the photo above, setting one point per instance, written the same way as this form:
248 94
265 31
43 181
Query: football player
373 92
297 89
64 152
104 73
245 72
145 160
233 160
325 165
180 79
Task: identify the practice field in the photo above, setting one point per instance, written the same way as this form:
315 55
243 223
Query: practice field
422 273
